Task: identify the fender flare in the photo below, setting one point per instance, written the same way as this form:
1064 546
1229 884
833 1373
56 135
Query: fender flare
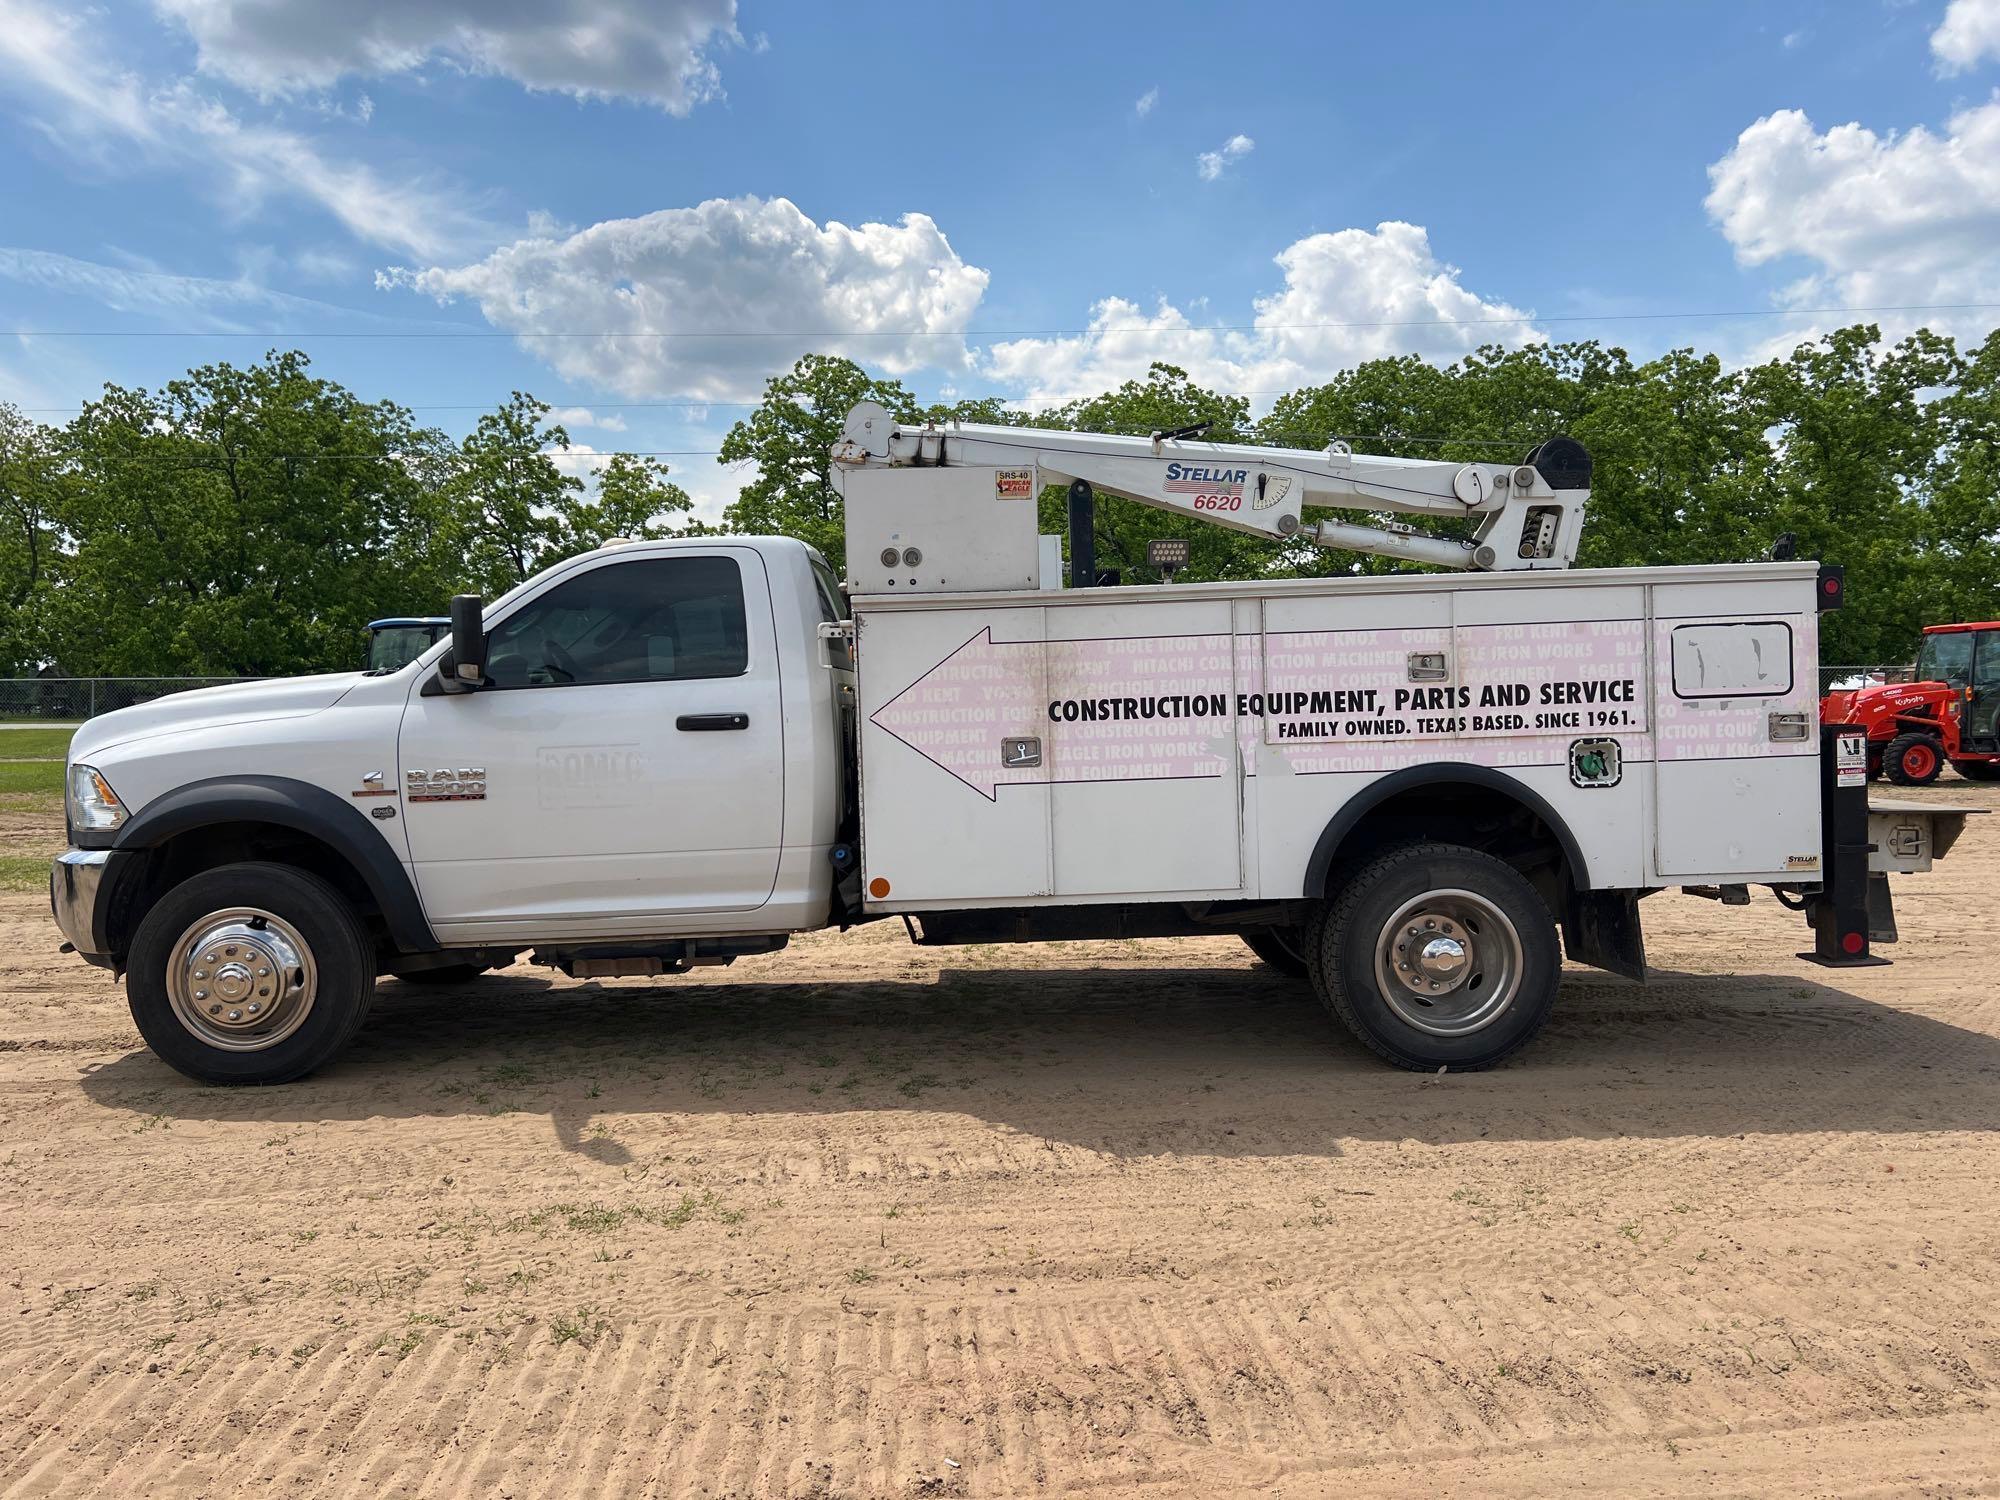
298 805
1357 807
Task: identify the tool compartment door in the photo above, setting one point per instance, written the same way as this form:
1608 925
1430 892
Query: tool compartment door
1143 770
1730 800
954 788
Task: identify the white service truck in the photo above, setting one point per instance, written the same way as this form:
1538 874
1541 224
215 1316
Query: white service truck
663 755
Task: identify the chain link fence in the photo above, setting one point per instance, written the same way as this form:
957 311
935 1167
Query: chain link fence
71 699
1831 678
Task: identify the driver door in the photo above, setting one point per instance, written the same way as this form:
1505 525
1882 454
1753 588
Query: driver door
1982 707
622 768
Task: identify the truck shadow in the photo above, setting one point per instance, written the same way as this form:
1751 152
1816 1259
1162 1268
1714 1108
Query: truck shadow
1128 1061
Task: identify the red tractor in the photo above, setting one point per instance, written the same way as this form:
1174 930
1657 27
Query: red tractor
1951 712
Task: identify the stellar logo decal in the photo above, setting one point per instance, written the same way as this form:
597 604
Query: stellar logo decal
1200 479
463 785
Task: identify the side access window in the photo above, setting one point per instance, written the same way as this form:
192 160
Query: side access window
1734 659
654 619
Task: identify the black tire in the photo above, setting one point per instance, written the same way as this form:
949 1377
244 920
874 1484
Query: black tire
1281 948
331 939
1913 759
449 974
1518 957
1978 770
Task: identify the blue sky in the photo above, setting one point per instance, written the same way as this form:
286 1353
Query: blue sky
1030 200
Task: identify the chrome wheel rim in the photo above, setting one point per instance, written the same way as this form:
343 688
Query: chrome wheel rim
1449 962
241 979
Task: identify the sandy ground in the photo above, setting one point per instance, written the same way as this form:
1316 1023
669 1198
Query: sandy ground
869 1220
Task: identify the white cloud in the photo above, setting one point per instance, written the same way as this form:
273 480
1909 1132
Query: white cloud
1146 101
1349 296
652 50
583 416
1210 164
757 269
1969 33
117 120
1885 220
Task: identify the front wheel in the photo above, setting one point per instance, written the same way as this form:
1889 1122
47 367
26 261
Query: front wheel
1913 760
1439 956
249 973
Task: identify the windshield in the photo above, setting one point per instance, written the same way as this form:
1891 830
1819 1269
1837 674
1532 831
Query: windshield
1946 657
397 645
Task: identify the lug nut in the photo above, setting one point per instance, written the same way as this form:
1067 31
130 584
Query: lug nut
266 973
215 1010
236 1015
201 994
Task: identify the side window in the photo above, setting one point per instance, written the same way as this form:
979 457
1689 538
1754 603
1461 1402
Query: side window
654 619
1946 657
1986 665
832 603
1737 659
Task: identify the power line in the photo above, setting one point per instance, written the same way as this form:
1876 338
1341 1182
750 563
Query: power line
1000 333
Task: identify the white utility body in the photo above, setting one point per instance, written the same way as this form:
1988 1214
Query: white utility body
661 755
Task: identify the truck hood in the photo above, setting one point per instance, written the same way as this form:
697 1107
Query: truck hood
209 708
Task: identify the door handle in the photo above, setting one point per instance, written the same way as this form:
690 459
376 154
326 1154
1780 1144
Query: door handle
712 721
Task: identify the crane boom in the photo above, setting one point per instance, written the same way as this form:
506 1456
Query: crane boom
1527 515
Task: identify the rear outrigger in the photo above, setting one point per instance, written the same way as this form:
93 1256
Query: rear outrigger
1415 791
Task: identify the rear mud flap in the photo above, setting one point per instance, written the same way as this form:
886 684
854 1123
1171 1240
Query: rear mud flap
1602 929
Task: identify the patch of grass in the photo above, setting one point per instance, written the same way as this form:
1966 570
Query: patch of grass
860 1275
585 1326
36 744
24 872
41 777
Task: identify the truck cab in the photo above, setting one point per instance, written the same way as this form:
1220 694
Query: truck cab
649 774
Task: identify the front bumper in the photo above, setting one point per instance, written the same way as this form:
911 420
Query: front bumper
79 896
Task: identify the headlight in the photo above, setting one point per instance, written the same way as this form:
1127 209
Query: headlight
92 803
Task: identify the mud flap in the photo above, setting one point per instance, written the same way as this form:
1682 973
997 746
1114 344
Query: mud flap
1881 910
1602 929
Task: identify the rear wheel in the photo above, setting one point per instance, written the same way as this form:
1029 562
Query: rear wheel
249 973
1913 759
1978 770
1283 948
1436 955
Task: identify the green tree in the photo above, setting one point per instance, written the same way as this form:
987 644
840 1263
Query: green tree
510 496
1853 445
30 550
237 521
1961 522
630 496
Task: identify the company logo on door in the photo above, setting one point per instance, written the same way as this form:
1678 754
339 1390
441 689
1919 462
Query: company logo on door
571 776
467 784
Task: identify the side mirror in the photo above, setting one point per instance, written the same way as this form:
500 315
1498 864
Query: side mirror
467 659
